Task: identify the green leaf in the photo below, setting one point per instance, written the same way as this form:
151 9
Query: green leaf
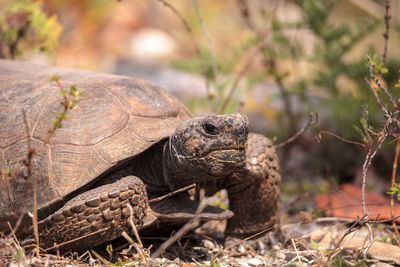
315 245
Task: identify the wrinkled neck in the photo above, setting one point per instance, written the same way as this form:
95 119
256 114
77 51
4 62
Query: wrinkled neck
177 168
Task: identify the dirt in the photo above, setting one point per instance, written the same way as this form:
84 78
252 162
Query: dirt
291 246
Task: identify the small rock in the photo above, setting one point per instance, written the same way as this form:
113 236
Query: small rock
281 255
260 245
276 247
381 264
254 262
241 249
208 244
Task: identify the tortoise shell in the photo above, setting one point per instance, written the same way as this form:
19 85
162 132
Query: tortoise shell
116 118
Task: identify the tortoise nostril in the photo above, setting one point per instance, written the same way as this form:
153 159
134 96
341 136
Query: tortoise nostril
210 128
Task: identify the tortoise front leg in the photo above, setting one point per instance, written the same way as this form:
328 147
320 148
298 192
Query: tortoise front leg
95 216
254 195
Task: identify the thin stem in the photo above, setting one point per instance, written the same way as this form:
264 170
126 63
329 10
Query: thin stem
172 193
319 138
386 34
194 43
371 240
191 224
394 170
210 45
312 120
249 61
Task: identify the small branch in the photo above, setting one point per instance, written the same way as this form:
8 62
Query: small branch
246 15
100 258
249 61
138 248
191 224
355 226
18 223
313 119
319 138
297 252
367 163
194 43
384 221
35 215
371 69
371 240
360 222
386 34
31 178
241 241
76 239
377 98
210 45
133 226
394 171
172 193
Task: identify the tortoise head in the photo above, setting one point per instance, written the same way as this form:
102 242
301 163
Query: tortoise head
206 148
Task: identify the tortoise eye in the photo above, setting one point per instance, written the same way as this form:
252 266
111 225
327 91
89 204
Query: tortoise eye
210 129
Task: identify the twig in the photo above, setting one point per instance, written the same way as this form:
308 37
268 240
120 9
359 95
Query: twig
297 252
241 241
172 193
371 240
100 258
313 119
384 221
250 60
194 43
355 226
191 224
386 34
13 233
210 45
138 248
319 138
76 239
35 215
132 224
394 170
246 15
367 163
18 223
28 164
371 69
377 98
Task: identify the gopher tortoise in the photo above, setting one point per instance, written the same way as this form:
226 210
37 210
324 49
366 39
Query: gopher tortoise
126 142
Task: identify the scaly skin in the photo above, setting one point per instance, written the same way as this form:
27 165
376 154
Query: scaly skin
99 214
254 196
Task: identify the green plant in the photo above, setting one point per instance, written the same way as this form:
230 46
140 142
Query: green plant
70 97
24 27
395 190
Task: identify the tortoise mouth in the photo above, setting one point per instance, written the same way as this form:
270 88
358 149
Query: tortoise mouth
236 148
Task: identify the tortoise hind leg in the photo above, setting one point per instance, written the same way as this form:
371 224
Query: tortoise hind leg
95 216
254 195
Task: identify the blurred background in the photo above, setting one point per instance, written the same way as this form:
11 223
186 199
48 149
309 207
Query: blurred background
276 61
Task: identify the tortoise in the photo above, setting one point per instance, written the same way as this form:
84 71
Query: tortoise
126 142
